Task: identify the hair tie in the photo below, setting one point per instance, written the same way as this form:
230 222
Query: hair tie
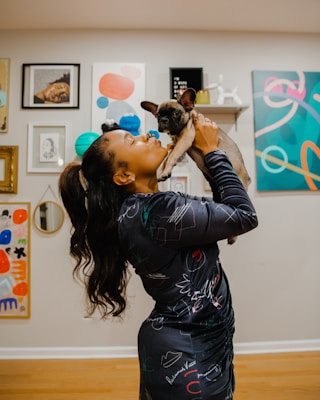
83 181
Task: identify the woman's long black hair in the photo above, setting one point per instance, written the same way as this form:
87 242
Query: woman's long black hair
94 243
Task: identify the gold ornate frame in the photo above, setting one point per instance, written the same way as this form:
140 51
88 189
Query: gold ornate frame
9 156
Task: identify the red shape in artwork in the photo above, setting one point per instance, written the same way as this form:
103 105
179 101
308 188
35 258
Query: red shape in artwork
4 262
19 216
115 86
21 289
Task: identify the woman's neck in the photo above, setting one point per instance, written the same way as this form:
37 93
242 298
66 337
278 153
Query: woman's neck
145 186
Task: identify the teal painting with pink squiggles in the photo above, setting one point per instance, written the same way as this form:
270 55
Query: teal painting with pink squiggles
287 129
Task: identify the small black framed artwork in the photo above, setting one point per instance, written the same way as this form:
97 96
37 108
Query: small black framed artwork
183 78
50 85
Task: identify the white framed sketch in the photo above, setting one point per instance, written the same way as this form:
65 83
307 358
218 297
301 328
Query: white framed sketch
180 182
47 146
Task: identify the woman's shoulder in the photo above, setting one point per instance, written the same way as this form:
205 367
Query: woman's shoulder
153 201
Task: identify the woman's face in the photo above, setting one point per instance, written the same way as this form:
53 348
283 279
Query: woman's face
143 154
57 92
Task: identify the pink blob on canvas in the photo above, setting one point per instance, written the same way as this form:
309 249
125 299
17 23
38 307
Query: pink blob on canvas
294 92
277 88
131 71
115 86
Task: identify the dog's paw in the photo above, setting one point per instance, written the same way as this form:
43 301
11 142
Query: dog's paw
232 239
164 176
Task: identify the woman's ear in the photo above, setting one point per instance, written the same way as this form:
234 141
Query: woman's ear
122 178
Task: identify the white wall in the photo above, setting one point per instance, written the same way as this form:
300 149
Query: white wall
273 271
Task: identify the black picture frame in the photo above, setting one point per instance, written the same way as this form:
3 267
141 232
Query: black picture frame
36 81
183 78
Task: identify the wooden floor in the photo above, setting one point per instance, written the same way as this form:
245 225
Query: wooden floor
286 376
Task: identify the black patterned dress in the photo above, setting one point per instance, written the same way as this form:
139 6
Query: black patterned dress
185 345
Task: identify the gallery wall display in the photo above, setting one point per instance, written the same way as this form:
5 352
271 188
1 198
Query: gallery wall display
287 129
4 93
14 260
47 146
50 85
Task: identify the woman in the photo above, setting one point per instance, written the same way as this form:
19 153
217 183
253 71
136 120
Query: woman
120 217
55 92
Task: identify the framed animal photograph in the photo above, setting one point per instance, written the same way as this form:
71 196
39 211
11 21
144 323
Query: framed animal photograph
50 85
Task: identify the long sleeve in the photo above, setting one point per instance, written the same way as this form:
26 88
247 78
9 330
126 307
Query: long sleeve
175 220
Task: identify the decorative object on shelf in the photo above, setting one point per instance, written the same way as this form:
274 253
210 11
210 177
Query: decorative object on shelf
4 93
47 143
286 123
225 96
84 141
183 78
14 260
228 96
203 96
117 89
48 215
9 169
50 85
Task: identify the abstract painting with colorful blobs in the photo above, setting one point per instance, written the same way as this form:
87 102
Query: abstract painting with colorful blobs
117 90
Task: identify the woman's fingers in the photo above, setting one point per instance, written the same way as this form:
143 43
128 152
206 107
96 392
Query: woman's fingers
201 119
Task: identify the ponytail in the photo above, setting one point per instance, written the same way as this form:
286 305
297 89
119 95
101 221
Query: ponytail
94 240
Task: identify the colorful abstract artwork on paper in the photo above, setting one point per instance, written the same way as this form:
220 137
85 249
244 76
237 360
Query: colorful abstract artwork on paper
117 90
14 260
286 108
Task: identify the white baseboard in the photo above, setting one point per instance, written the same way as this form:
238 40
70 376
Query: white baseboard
276 346
67 352
131 351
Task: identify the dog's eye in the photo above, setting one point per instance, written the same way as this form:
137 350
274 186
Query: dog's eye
176 113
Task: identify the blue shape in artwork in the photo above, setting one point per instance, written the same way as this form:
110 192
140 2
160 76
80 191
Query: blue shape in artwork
5 237
154 133
102 102
131 123
3 98
9 303
117 109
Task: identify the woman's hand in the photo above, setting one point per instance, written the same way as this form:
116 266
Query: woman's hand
206 138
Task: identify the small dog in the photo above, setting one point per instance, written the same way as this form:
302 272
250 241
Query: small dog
172 116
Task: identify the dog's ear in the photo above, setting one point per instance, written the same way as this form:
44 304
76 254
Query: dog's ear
187 99
149 106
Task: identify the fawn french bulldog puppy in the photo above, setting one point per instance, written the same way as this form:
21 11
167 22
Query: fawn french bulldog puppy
172 116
